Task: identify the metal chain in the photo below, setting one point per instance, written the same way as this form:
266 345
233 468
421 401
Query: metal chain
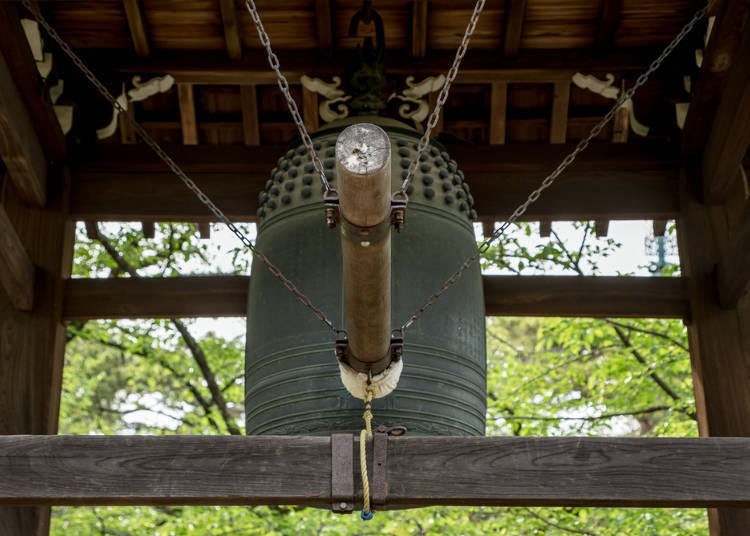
443 95
283 83
550 179
202 197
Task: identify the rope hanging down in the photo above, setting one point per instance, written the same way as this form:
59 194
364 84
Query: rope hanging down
202 197
567 161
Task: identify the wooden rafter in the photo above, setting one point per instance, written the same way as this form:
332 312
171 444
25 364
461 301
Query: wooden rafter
20 148
498 109
249 106
559 120
733 272
197 296
310 109
230 20
515 12
16 269
609 18
324 22
729 140
187 114
421 471
137 26
608 181
419 28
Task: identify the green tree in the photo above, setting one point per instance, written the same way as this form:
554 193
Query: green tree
545 377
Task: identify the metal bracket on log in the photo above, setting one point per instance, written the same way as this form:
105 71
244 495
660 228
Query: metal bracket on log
395 353
342 473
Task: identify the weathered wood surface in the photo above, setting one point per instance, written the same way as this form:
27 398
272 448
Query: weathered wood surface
137 27
515 12
733 271
16 269
230 21
419 28
188 122
69 470
608 181
558 129
188 296
597 297
218 295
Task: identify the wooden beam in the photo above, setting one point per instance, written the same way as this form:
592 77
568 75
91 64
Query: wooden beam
187 114
598 297
188 297
324 22
479 67
558 130
718 57
718 337
15 49
16 269
608 181
601 228
422 471
730 134
137 26
310 109
20 148
419 28
249 105
149 229
196 296
621 126
545 228
204 230
609 18
230 20
515 12
498 109
733 272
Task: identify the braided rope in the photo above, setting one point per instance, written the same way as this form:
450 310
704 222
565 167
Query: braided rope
364 436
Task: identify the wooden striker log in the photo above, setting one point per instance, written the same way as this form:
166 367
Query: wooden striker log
363 169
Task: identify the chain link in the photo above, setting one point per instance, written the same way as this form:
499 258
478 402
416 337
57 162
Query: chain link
283 83
567 161
216 211
432 121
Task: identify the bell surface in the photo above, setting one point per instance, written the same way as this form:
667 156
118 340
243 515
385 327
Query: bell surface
292 377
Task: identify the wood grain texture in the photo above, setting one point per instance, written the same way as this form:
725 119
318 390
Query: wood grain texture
137 27
498 109
310 109
609 18
733 271
15 49
324 26
20 149
230 21
16 269
625 181
188 296
515 14
491 471
249 107
187 114
599 297
419 28
730 134
196 296
558 129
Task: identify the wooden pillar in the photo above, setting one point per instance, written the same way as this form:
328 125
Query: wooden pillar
32 344
719 338
363 169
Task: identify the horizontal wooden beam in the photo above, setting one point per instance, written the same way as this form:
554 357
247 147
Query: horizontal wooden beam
421 471
189 296
733 271
608 181
196 296
16 268
598 297
481 66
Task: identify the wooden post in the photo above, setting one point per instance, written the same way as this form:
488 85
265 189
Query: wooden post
363 168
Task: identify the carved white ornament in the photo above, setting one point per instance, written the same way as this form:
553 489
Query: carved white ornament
416 107
607 90
141 91
334 107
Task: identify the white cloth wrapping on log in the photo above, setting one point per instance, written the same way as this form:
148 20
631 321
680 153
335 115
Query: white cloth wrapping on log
384 383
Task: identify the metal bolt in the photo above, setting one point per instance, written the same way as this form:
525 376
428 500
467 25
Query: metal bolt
344 506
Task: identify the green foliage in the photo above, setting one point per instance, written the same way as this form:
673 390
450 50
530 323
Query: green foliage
545 377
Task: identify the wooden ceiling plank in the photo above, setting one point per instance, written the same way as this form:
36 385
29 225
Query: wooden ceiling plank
609 19
419 28
625 181
498 110
718 57
15 49
20 149
558 131
16 268
249 105
137 27
514 15
224 295
187 114
230 20
324 22
733 272
729 139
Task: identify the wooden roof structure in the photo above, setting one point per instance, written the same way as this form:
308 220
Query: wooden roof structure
515 111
